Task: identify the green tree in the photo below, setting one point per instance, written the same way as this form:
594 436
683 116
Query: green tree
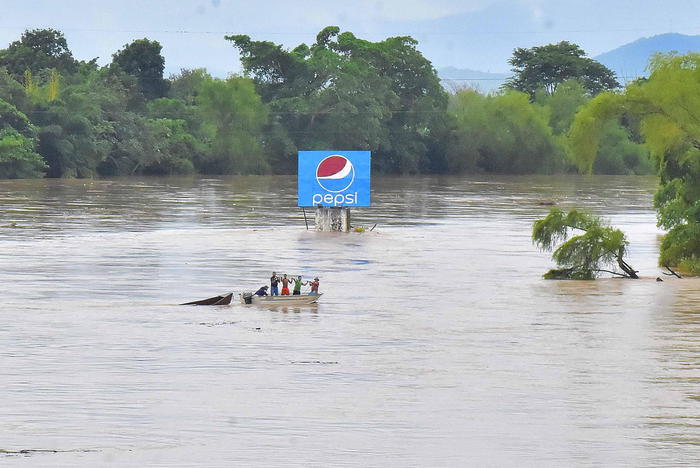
133 145
422 101
563 104
12 91
586 245
177 151
465 140
546 67
183 134
235 112
504 134
142 59
90 130
618 154
185 85
69 138
347 92
668 107
37 50
175 109
18 158
12 118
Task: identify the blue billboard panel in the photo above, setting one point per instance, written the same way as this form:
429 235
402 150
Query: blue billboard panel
334 178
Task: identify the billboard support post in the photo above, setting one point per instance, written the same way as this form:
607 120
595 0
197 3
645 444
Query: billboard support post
333 218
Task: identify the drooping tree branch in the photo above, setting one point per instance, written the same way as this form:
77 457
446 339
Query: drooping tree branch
672 273
584 255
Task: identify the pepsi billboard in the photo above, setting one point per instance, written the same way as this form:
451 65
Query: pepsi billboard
334 178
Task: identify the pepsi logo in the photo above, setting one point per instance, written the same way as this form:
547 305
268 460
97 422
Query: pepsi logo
335 173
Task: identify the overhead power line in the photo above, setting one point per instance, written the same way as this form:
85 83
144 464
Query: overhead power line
314 32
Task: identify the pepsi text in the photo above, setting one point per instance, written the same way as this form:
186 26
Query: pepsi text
338 199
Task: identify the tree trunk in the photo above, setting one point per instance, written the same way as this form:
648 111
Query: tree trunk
631 272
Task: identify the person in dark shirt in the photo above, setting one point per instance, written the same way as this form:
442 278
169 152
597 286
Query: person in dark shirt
262 291
274 281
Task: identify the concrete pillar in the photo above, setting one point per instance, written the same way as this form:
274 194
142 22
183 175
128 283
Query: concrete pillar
332 218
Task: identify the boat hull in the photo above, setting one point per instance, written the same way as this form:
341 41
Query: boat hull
216 300
302 299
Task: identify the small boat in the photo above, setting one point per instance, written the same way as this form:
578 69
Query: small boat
301 299
216 300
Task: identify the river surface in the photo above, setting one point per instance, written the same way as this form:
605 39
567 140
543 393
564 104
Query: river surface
436 344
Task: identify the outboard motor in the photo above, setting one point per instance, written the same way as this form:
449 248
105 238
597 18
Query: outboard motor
248 298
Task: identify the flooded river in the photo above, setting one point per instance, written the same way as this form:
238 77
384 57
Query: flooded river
436 344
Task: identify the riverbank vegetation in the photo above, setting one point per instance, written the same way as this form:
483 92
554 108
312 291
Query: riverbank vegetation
63 117
666 109
561 112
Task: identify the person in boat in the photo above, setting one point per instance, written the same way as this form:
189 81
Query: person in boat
297 286
314 286
274 281
262 291
285 285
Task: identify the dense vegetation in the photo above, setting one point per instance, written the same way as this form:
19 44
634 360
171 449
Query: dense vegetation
62 117
561 112
666 110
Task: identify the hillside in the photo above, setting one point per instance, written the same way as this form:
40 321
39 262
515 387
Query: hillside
630 60
456 78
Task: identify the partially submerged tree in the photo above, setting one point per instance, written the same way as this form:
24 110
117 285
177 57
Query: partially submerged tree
587 245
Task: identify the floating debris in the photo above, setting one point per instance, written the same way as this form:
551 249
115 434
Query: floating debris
314 362
216 324
34 451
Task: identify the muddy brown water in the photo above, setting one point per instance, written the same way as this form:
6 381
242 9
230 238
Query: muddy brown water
437 342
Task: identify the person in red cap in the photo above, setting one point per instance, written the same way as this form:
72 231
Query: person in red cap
314 286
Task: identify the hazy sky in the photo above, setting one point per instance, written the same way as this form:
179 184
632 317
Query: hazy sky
477 34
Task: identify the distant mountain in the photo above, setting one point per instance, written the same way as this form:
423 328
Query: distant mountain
456 78
630 60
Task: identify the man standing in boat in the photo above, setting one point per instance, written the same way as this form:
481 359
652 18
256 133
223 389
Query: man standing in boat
274 281
314 286
285 285
297 286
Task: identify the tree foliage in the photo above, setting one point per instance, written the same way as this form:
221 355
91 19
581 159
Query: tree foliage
142 59
235 112
38 49
503 134
668 108
546 67
340 92
348 92
185 86
18 140
586 245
